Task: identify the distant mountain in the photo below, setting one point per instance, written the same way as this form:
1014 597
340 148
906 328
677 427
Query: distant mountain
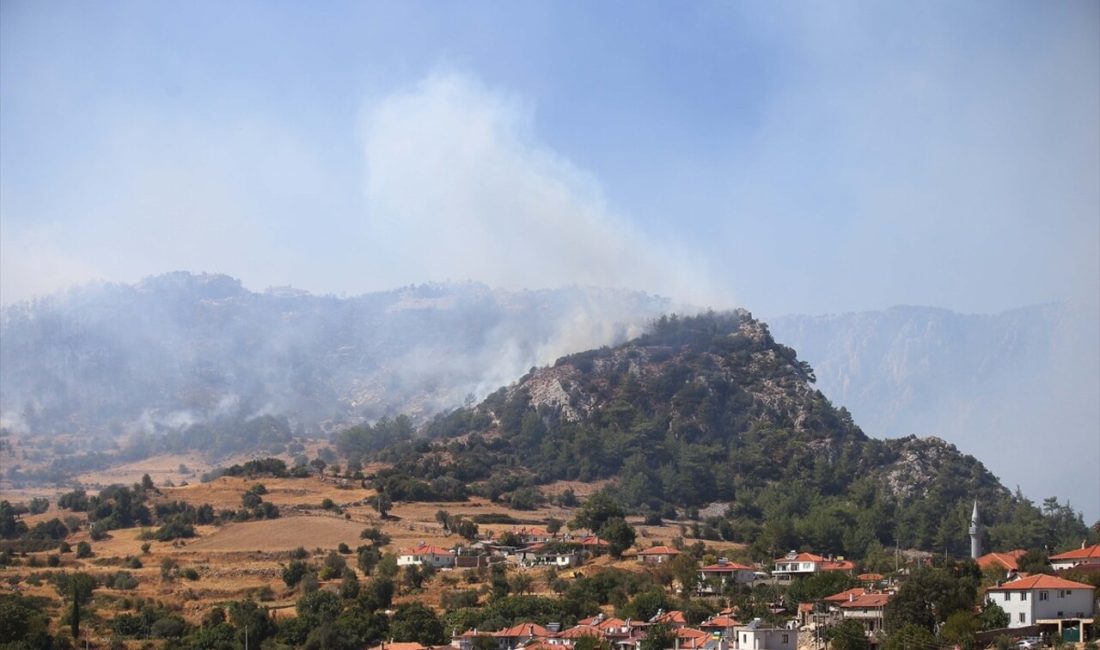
703 410
180 349
1020 388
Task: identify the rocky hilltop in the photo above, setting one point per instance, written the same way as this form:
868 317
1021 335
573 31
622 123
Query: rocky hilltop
698 411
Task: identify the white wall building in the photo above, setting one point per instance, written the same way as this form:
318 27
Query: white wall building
757 636
425 554
1043 598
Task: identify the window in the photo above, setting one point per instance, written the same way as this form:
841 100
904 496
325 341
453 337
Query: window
1008 596
1023 617
1023 595
1043 595
786 638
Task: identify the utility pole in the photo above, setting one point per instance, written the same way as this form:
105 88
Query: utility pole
245 637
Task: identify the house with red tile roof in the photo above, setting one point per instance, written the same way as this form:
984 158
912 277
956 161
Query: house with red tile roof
795 564
673 619
713 578
1040 599
722 625
520 634
844 596
426 554
870 578
867 609
1078 556
658 554
688 638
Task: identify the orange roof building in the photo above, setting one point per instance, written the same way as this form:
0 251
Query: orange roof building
1070 559
1041 598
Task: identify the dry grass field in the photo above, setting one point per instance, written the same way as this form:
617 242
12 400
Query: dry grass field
244 559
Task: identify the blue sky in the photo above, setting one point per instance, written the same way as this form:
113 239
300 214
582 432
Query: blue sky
787 157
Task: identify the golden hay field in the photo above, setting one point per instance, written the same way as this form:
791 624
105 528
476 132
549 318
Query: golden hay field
283 534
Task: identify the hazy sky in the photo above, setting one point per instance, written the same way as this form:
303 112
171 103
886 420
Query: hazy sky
793 157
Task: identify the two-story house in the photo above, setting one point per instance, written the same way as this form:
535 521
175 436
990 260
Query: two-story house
1044 600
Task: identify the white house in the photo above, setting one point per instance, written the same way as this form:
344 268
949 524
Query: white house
426 554
805 564
1043 599
1070 559
758 636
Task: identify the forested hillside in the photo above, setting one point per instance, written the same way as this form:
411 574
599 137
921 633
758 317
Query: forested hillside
701 411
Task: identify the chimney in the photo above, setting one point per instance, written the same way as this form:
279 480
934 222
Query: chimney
851 597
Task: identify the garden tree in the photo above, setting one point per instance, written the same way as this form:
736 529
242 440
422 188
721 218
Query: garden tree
658 637
382 504
646 604
376 594
413 577
930 595
415 622
318 608
1034 561
248 615
682 570
520 583
819 585
38 505
386 569
910 637
847 635
367 627
349 586
553 525
294 572
960 629
76 590
367 558
597 510
464 527
444 519
10 526
993 617
499 582
319 465
618 534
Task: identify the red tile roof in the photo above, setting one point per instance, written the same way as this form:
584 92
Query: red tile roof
867 600
577 631
720 622
724 567
844 595
1089 552
675 617
1041 581
659 550
870 577
522 630
802 557
426 549
1007 560
838 565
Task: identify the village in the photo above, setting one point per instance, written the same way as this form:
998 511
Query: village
1038 608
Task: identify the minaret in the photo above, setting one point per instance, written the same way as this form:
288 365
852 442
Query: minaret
975 534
